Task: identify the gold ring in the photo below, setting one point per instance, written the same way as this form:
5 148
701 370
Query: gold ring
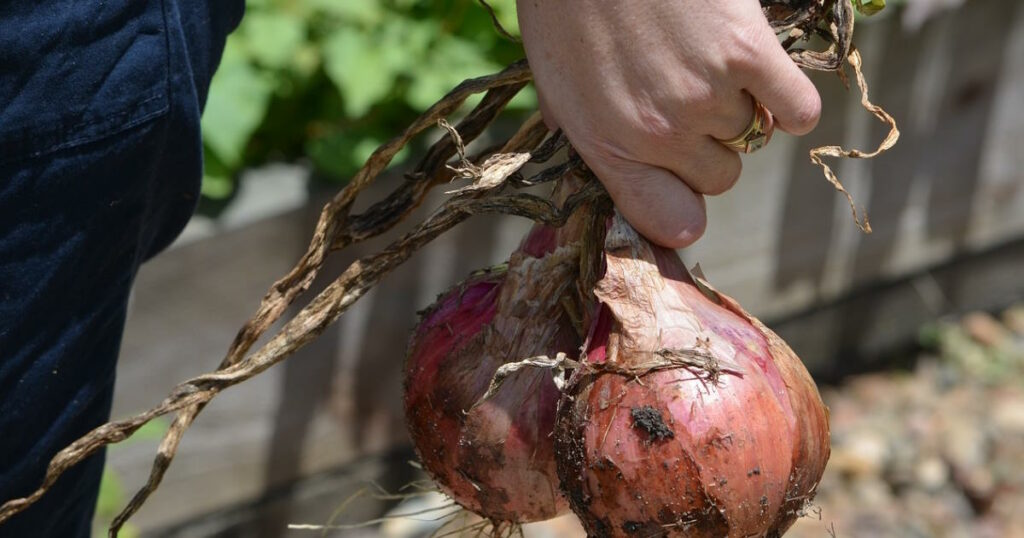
757 134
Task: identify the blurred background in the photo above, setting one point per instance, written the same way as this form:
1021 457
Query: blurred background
915 333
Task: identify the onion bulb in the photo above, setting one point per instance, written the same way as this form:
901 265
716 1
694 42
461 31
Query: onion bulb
494 456
687 417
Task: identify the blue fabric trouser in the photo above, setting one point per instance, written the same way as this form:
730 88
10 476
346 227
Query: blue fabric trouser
100 164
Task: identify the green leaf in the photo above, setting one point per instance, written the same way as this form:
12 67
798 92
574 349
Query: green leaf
297 73
869 7
366 12
505 10
307 60
218 184
524 100
237 102
151 431
929 336
340 154
111 494
359 68
452 60
108 504
274 38
217 187
405 42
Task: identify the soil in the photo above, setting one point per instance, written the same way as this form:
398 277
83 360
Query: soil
937 451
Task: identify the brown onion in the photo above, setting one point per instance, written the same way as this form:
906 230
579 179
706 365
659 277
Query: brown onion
494 456
688 417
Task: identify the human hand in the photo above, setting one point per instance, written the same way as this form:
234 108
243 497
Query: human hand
643 88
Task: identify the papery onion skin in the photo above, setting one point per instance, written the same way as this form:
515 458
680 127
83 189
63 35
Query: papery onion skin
495 456
735 448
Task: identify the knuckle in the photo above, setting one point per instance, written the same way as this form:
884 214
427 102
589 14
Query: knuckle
654 126
698 94
671 112
611 164
600 151
746 50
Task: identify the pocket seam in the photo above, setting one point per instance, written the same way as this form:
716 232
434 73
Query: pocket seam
30 143
137 118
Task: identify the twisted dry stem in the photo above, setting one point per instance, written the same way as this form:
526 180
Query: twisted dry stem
335 230
494 172
818 154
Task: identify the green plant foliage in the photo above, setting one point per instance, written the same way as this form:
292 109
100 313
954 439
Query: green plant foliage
327 80
869 7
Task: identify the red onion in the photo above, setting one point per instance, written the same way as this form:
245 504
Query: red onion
688 416
494 456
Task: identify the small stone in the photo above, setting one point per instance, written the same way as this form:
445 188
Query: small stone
985 329
964 443
872 493
866 453
1008 416
931 473
979 483
1013 317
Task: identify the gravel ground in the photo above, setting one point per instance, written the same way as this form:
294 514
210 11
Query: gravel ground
938 451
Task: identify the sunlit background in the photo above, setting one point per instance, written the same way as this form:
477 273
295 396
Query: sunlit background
915 333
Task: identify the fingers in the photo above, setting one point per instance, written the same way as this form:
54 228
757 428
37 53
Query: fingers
653 93
774 80
736 110
701 162
657 203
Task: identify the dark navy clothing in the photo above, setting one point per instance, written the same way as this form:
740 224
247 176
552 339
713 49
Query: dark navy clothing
100 164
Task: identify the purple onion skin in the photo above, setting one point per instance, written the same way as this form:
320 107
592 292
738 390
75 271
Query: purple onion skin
494 457
734 447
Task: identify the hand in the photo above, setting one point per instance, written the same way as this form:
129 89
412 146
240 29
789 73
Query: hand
642 89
